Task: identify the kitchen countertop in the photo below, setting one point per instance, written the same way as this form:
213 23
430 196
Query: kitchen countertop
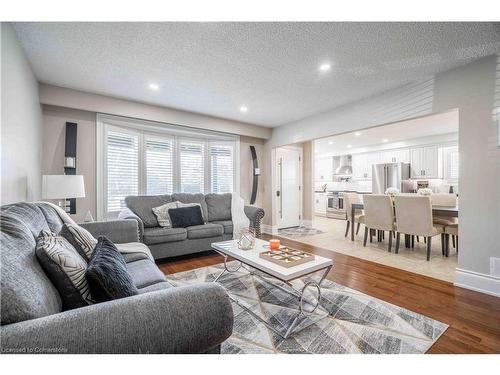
343 191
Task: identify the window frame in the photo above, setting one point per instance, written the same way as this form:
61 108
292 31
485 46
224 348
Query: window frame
146 129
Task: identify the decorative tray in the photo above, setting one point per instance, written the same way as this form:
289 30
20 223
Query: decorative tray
287 257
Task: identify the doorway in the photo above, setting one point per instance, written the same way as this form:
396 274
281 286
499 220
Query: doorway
288 169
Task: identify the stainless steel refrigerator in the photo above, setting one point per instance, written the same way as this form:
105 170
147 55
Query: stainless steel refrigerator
389 175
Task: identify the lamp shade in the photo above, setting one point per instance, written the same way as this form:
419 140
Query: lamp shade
62 186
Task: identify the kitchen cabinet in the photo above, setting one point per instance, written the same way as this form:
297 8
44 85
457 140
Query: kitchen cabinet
320 202
424 162
323 169
362 165
395 156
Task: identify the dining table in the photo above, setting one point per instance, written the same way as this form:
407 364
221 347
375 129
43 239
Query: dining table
443 211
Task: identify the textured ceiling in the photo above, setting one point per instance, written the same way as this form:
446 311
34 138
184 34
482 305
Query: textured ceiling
272 68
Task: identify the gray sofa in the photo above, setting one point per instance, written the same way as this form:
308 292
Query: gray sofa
161 319
171 242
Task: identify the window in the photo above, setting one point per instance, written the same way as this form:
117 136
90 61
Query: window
450 163
159 166
221 168
122 168
192 167
136 157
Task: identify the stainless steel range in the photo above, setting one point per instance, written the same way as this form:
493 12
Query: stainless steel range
335 205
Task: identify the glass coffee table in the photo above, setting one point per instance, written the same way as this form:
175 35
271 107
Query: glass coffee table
251 260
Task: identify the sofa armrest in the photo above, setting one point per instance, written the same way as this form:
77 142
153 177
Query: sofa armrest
118 231
191 319
126 214
255 215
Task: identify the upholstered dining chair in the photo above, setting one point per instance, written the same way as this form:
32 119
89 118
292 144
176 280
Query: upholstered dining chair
379 215
445 200
349 199
414 217
451 230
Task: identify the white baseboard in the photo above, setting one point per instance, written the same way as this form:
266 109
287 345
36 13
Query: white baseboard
269 229
478 282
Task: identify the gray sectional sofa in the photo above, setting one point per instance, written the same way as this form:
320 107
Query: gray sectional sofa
161 319
170 242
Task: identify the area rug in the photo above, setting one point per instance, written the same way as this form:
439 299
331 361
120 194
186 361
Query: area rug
347 321
299 232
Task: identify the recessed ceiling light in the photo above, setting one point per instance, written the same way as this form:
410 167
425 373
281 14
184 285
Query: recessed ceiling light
357 134
154 86
330 143
385 140
325 67
349 146
243 108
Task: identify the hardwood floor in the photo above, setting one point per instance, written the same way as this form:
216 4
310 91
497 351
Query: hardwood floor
474 318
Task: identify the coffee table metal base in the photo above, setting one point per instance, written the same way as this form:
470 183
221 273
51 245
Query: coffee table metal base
291 290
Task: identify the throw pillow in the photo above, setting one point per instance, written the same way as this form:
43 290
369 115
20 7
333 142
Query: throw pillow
65 267
184 217
161 213
80 238
107 273
180 204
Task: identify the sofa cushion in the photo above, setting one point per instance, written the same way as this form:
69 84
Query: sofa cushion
27 292
144 273
205 231
218 206
65 267
162 215
155 287
80 238
143 205
192 198
107 273
226 224
133 251
184 217
160 235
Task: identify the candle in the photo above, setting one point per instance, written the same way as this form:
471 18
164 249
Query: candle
274 244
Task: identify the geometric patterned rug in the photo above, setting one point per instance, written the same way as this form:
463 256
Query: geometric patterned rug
299 231
347 321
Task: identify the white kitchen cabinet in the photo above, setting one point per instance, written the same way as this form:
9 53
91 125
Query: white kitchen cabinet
362 165
424 162
323 169
395 156
320 202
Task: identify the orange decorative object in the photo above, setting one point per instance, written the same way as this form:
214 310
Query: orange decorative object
274 244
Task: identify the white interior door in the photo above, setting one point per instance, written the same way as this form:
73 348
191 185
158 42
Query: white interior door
289 181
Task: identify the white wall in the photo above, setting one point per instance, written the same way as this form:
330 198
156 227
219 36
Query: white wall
21 126
68 98
470 89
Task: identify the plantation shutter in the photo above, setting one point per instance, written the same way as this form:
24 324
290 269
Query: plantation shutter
159 166
122 156
192 162
451 163
222 168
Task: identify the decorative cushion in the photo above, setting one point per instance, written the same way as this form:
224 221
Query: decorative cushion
192 198
143 205
80 238
205 231
153 236
65 268
184 217
107 273
180 204
219 206
161 213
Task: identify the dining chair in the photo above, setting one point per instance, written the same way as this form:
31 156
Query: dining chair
445 200
414 217
451 230
349 199
379 215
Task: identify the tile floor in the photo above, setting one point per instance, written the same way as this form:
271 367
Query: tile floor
413 260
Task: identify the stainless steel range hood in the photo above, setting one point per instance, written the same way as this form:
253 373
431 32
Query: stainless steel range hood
345 167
